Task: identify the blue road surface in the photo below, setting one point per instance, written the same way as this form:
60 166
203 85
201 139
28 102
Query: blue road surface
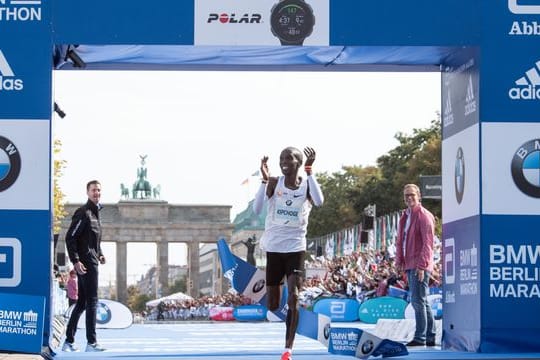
230 340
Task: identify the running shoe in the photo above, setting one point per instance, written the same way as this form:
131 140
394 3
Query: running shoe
286 356
95 347
69 347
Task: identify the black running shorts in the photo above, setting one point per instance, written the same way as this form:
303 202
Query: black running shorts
280 264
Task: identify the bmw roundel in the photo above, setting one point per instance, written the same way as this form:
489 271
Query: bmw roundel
103 313
259 285
459 175
526 168
10 163
367 346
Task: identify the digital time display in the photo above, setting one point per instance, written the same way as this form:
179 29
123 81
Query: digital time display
292 21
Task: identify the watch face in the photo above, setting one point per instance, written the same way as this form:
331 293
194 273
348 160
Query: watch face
292 20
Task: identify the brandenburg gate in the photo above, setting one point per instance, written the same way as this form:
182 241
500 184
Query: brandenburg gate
144 218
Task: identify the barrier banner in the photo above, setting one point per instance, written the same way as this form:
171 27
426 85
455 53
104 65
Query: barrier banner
222 313
337 309
109 315
385 307
310 324
250 313
21 322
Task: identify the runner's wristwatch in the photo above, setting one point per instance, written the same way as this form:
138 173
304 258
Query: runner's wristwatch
292 21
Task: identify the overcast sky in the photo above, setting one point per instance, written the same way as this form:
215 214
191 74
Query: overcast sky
205 132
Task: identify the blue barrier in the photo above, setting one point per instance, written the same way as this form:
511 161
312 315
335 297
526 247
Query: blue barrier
337 309
250 313
384 307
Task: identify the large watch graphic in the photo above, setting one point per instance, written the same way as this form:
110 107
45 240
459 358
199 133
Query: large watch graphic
292 21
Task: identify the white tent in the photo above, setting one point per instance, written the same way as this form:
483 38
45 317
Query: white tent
179 296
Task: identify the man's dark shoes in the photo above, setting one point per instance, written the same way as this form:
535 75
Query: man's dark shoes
430 343
415 343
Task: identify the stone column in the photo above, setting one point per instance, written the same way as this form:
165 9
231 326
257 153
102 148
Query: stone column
121 272
193 272
163 266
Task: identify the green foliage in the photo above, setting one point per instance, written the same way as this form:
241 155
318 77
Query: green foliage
58 196
348 192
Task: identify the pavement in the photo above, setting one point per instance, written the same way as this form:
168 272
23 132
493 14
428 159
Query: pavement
12 356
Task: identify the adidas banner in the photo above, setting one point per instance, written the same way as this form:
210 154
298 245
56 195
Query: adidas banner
251 282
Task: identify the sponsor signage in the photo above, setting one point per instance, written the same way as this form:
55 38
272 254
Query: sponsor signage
510 163
510 269
264 22
510 65
109 315
20 10
250 313
460 86
385 307
361 344
337 309
461 174
25 182
21 322
24 164
461 290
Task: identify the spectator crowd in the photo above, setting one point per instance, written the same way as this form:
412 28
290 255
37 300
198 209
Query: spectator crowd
361 275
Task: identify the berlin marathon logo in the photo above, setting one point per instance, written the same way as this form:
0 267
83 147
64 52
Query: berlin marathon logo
526 168
10 163
20 10
8 80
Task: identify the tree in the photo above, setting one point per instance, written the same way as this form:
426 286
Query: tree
417 154
58 196
338 211
348 192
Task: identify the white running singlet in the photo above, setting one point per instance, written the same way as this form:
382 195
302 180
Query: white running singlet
287 219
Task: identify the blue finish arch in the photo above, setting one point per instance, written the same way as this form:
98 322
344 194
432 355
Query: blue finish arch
485 51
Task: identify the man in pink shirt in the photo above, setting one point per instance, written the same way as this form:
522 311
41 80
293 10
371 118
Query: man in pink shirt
414 255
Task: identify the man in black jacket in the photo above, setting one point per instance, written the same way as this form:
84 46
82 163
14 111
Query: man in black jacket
83 240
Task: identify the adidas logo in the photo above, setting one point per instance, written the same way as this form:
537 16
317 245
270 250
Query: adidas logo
470 102
527 86
516 8
8 81
448 118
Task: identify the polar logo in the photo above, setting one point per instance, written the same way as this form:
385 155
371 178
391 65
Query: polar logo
8 80
516 8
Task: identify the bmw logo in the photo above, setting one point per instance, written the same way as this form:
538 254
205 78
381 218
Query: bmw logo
459 175
326 331
526 168
258 286
367 346
103 313
10 163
